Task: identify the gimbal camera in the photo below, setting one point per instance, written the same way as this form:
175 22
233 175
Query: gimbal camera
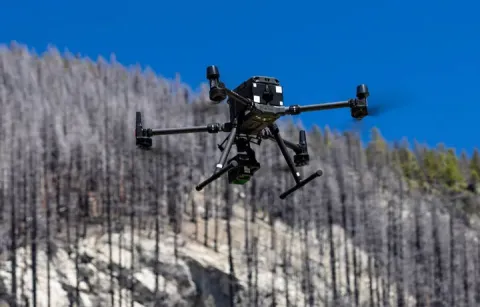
255 105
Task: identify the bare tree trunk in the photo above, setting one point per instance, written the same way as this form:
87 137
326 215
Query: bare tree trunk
33 234
13 225
452 262
232 283
331 240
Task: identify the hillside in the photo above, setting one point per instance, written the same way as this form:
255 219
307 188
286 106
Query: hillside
97 222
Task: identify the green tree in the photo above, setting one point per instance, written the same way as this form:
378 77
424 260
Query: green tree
377 148
473 182
430 165
474 177
407 161
475 161
451 173
464 164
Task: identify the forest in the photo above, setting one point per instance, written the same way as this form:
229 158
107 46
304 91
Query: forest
69 164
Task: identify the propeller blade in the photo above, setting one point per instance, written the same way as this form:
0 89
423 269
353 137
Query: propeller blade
379 104
384 102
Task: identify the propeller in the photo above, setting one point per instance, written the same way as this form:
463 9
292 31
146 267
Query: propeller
387 101
382 103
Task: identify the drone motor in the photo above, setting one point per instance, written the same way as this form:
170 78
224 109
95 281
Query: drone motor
217 92
301 157
358 106
142 141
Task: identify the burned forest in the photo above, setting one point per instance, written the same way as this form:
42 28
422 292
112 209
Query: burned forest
87 219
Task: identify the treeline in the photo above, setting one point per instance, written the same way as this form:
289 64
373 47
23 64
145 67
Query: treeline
425 167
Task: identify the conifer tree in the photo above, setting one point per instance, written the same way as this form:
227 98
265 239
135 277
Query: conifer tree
407 160
452 175
430 165
377 149
475 161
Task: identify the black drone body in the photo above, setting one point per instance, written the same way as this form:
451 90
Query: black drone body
255 105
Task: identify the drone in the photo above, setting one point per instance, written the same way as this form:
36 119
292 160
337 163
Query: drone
255 106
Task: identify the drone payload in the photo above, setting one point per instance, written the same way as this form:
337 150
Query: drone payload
255 105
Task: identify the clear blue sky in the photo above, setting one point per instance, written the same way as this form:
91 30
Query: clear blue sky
420 56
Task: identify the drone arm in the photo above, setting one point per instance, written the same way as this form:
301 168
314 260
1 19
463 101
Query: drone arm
239 98
296 109
210 128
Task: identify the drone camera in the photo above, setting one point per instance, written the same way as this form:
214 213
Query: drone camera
240 175
217 92
245 170
247 164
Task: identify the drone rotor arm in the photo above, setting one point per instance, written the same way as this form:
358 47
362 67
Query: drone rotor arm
297 109
143 136
238 98
210 128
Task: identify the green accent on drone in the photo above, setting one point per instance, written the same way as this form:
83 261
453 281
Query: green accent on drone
241 180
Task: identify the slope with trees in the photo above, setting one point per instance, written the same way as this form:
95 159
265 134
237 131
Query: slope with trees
69 169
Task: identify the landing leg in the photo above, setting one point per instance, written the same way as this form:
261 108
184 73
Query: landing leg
226 150
220 169
233 164
296 175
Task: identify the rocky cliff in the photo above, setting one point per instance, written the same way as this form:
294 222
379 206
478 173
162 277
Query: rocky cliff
192 272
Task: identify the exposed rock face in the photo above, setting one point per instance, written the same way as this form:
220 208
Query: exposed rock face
190 273
176 286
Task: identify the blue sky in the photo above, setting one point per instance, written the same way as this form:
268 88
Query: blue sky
422 57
